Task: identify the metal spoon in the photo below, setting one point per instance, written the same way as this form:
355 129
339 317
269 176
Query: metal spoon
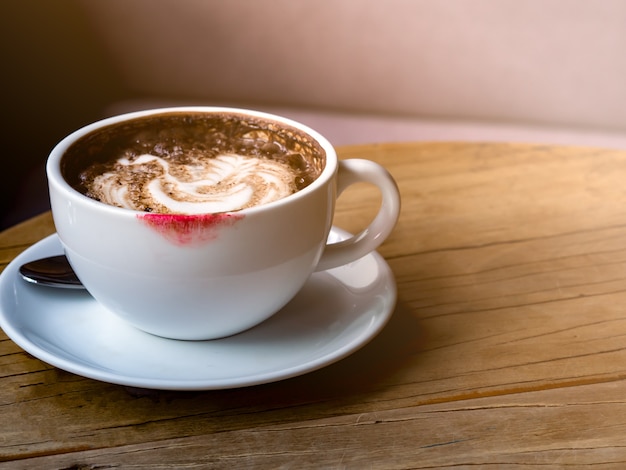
54 271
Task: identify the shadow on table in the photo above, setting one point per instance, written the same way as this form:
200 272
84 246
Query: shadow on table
354 385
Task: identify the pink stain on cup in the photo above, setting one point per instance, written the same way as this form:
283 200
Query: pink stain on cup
189 230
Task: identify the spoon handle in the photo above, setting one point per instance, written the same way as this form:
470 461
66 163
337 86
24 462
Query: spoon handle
54 271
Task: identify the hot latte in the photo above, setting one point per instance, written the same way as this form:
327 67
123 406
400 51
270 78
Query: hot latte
192 163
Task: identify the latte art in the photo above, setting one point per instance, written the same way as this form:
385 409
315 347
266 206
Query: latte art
192 162
222 183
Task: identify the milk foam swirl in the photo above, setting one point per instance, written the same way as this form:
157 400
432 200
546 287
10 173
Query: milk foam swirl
203 185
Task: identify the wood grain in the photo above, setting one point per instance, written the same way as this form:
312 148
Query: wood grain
506 348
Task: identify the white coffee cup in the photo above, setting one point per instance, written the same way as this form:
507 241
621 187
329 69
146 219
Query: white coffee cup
238 269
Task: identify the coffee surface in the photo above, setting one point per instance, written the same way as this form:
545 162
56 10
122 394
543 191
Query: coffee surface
192 163
203 185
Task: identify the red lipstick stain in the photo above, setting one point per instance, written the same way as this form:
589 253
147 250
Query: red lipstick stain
188 230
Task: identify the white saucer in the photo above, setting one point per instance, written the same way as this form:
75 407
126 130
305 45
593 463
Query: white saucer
336 313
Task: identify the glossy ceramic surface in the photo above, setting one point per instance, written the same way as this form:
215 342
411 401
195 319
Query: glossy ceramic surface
336 313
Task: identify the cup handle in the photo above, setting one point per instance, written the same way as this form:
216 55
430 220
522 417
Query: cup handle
355 171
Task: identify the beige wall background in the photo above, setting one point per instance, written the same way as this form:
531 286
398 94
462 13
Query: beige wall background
452 69
550 62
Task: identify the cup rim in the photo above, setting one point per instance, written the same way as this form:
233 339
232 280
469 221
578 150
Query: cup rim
55 177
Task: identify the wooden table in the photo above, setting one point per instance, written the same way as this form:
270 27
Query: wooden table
507 346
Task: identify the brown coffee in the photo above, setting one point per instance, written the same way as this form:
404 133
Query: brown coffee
193 162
